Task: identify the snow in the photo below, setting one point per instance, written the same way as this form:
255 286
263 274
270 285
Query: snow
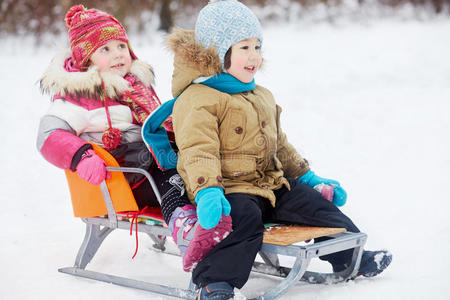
368 105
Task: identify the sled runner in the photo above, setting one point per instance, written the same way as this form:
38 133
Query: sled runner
111 205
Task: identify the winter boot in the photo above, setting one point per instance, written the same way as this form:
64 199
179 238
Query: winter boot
181 226
216 291
193 241
326 190
374 262
204 240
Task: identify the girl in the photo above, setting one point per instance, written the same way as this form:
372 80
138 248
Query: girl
97 84
233 154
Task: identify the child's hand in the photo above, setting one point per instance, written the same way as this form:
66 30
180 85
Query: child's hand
92 168
311 179
211 204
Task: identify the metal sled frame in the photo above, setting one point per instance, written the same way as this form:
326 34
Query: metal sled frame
97 229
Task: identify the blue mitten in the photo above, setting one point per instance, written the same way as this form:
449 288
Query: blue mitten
311 179
211 204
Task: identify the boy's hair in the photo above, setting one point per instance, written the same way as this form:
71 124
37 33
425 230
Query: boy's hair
227 59
90 29
224 23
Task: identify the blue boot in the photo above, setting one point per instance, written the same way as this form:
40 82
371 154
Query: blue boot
374 262
216 291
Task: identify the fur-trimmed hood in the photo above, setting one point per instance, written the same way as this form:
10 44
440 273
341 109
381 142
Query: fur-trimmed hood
191 60
57 80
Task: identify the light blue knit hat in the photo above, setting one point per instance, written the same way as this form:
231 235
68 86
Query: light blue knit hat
224 23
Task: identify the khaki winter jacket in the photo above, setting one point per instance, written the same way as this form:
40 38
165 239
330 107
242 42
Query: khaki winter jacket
233 141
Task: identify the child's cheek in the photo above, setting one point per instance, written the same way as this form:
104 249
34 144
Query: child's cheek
102 63
241 61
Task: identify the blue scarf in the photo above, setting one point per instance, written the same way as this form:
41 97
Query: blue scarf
154 134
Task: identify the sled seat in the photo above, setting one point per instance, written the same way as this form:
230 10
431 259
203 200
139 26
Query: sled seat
111 205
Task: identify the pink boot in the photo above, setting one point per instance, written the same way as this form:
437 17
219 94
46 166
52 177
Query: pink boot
326 190
194 241
204 240
181 223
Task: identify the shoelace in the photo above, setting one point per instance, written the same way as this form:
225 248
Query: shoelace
134 216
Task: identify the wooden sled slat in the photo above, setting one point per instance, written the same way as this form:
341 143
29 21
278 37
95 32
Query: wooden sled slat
285 235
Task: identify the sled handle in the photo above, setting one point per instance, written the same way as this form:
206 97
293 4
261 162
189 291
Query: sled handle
140 171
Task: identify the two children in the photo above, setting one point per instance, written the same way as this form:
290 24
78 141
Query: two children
233 155
102 94
234 158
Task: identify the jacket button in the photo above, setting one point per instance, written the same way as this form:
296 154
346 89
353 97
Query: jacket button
201 180
219 178
263 124
238 130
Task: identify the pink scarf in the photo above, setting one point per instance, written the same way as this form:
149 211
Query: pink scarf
142 101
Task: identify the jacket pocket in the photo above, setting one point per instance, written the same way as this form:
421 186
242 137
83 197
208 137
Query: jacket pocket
233 129
239 167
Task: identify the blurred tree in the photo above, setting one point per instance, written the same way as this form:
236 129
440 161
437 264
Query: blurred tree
438 5
36 17
165 16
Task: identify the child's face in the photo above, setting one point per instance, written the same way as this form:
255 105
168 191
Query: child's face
245 59
114 57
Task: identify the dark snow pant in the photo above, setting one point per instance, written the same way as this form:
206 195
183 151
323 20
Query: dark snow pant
173 194
232 259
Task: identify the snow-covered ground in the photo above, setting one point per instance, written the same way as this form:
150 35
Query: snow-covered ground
368 105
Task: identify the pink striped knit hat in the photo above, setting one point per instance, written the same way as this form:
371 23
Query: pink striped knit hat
89 29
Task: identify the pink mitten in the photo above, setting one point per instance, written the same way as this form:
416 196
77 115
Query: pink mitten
326 190
92 168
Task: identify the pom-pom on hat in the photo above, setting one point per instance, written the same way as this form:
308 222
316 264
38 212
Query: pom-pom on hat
89 29
224 23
